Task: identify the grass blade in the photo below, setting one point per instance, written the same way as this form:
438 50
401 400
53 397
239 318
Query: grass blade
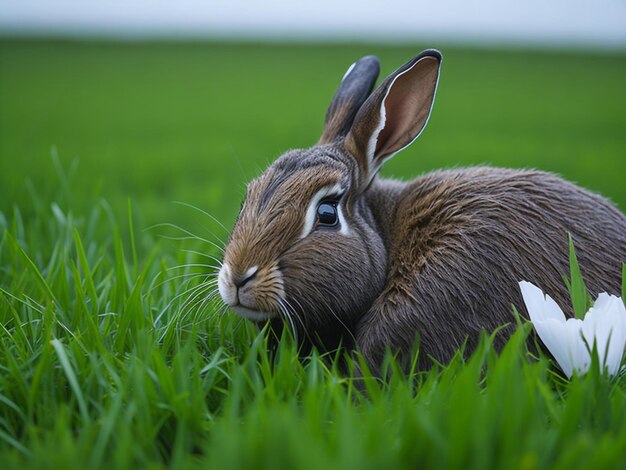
578 291
71 377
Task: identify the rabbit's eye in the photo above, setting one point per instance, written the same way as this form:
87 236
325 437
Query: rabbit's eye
327 214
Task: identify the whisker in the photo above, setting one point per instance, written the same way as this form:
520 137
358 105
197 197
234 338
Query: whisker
176 297
299 317
193 265
323 298
210 297
191 206
209 293
190 276
189 301
190 235
199 253
287 316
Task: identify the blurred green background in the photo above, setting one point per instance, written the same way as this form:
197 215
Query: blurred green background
192 122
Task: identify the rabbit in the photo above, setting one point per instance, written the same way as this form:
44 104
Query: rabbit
346 258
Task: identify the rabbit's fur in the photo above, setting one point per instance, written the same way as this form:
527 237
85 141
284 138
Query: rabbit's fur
437 258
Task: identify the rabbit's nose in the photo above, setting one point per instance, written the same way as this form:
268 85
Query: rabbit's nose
246 277
235 288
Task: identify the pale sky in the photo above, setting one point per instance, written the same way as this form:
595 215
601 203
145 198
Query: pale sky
564 22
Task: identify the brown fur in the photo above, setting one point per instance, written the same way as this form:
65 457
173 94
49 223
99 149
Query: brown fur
468 237
438 257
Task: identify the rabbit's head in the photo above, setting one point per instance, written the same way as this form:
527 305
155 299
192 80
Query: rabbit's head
307 245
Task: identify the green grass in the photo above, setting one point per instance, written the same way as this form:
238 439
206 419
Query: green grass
109 356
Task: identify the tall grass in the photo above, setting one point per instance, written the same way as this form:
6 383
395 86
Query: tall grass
110 358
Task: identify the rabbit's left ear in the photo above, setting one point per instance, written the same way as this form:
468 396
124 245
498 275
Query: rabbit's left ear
355 87
395 114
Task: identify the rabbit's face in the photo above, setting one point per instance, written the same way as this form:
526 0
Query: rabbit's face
301 248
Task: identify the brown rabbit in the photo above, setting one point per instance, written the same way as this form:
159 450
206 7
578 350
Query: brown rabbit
346 257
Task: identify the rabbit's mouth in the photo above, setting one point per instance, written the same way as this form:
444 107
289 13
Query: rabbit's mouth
250 314
252 294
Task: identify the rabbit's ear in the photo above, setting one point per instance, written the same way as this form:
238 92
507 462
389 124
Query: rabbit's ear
396 113
355 87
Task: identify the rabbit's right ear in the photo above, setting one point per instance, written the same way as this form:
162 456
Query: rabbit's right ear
355 87
395 114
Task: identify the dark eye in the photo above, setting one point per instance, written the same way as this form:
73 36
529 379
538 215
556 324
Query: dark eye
327 214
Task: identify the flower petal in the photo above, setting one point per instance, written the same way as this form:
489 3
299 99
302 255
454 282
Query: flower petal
552 309
540 307
571 341
607 321
575 345
618 338
551 334
564 342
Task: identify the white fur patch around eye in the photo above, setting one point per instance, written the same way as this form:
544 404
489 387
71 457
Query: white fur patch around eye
344 230
311 212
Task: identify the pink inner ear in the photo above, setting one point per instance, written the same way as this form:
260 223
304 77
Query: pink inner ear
407 107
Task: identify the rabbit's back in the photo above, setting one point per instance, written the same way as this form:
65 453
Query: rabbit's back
459 241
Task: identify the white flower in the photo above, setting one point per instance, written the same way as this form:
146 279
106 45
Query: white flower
571 340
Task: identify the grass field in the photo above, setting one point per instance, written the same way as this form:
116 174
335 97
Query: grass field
109 357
